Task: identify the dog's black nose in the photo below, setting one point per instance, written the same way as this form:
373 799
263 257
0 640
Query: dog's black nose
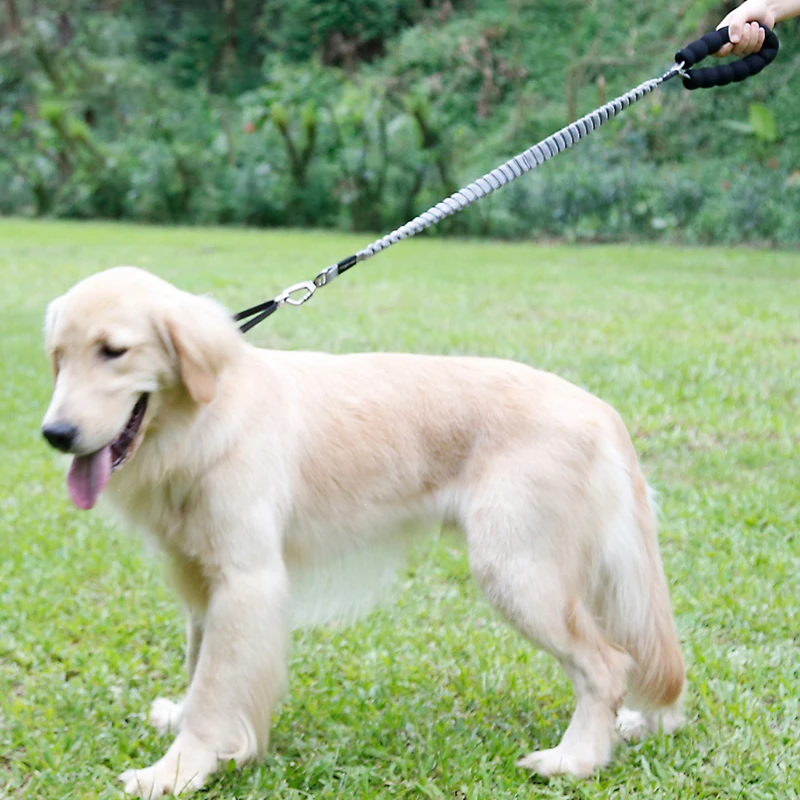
61 435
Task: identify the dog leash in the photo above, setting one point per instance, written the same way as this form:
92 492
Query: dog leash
705 78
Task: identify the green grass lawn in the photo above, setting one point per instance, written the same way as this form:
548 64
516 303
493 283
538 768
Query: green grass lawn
431 695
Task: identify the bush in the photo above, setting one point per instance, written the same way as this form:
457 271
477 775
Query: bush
256 118
595 194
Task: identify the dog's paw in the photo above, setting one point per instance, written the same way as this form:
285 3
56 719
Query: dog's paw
557 761
154 782
166 716
184 768
633 725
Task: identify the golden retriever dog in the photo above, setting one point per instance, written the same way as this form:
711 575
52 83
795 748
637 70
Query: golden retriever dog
255 469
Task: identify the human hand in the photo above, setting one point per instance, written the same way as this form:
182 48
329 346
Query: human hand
743 29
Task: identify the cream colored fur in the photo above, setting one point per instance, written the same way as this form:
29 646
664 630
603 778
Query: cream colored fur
257 470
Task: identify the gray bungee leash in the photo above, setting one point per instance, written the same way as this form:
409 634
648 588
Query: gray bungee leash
705 78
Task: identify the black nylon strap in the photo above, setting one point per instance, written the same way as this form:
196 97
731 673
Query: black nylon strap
726 73
346 263
258 313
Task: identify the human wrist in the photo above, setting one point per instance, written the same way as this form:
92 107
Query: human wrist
783 9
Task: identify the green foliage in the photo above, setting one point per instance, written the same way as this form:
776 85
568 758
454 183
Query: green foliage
359 115
345 31
700 203
762 123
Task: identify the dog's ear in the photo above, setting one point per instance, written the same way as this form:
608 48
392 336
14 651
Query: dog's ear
202 340
50 318
198 374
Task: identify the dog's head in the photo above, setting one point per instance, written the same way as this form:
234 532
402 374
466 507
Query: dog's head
122 344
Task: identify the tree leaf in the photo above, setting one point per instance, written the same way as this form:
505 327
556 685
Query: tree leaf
762 123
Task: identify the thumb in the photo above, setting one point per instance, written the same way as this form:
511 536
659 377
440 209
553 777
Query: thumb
735 21
735 29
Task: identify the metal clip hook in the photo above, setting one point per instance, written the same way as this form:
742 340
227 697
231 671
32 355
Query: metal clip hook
325 276
306 287
675 69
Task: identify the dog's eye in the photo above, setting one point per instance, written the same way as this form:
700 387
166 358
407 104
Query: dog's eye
108 352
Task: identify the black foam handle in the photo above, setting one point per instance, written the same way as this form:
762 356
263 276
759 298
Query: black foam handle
726 73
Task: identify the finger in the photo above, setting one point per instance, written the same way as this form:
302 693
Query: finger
762 35
746 43
756 38
740 45
735 22
752 39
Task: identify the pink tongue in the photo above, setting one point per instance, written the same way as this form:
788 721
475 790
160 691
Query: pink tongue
88 476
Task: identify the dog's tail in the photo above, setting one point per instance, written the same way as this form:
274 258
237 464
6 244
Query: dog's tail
632 600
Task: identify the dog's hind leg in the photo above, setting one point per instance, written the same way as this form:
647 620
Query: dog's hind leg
526 556
654 703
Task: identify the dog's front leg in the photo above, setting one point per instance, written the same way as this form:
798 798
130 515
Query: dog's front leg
239 677
166 716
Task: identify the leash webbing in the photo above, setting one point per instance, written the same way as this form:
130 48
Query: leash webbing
535 156
512 169
518 165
